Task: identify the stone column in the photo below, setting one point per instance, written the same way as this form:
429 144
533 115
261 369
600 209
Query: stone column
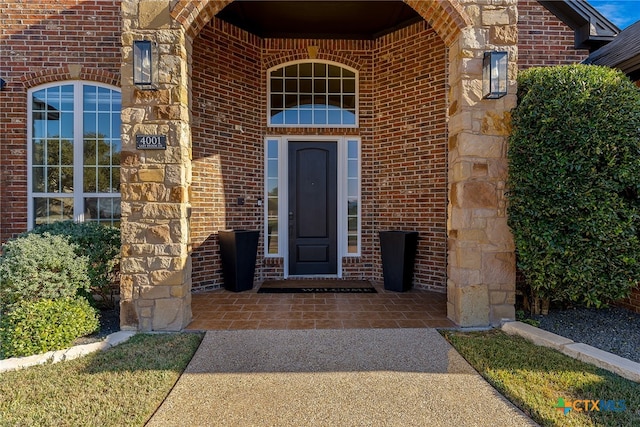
156 267
481 261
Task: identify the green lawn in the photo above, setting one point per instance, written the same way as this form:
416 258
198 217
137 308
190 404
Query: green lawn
122 386
534 378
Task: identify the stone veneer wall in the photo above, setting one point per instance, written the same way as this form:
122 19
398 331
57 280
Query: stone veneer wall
43 42
481 262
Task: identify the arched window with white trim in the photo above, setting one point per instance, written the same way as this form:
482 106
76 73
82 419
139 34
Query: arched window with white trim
313 94
74 153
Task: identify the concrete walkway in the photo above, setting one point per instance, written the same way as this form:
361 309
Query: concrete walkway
349 377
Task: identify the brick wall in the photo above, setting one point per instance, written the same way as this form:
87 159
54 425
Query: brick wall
402 129
543 39
38 42
633 302
227 163
410 151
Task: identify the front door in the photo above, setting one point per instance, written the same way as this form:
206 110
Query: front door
313 208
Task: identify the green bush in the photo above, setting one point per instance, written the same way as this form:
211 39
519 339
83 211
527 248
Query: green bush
45 325
101 244
574 181
34 267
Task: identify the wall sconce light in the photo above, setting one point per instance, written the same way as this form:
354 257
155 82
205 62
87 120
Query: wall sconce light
3 83
494 75
145 66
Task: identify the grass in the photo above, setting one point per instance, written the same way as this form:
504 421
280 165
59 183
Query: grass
117 387
534 378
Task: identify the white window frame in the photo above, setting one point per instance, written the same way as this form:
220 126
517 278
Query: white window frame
315 61
78 155
342 196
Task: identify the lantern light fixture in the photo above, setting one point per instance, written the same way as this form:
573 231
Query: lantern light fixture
144 65
494 75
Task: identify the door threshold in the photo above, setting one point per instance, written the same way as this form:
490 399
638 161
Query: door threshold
311 277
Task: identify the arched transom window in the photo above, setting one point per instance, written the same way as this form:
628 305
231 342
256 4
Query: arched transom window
313 94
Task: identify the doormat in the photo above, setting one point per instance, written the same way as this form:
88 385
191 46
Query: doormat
316 286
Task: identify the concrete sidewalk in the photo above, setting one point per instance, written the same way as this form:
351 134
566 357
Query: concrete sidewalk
350 377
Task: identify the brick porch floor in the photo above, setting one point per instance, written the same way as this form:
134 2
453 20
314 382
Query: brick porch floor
222 309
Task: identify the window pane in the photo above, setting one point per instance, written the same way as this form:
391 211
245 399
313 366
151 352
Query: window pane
66 125
89 151
291 86
306 86
348 118
291 71
277 102
352 187
104 180
352 149
104 99
352 169
334 86
306 70
38 179
102 209
49 210
38 153
349 86
352 206
277 85
104 125
319 70
272 149
115 179
352 244
66 180
335 117
66 152
334 71
353 225
89 180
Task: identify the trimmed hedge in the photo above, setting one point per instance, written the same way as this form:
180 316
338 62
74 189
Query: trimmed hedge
574 183
34 267
45 325
100 244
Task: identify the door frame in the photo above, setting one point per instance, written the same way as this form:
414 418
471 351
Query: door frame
283 197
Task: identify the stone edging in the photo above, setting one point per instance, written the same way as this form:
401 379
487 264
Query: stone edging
111 340
618 365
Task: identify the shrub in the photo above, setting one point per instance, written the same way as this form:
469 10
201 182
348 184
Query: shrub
574 157
101 244
45 325
34 267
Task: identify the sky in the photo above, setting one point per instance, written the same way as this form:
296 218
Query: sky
621 12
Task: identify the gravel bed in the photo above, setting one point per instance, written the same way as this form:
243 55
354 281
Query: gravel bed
616 330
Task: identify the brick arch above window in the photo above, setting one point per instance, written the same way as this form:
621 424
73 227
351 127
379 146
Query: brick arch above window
447 17
70 72
282 59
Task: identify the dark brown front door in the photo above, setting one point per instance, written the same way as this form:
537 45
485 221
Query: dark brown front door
313 208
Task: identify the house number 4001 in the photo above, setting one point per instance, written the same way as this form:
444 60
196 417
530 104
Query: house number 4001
151 142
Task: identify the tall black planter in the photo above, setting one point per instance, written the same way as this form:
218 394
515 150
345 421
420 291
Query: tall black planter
398 256
238 250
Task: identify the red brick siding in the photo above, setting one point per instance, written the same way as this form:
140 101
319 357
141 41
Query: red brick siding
403 152
543 39
227 163
410 148
38 40
633 302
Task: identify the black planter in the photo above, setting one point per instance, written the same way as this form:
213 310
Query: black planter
398 250
238 249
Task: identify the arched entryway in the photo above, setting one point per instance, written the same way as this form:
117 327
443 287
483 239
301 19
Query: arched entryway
419 91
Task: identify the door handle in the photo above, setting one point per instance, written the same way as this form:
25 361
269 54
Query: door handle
290 216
